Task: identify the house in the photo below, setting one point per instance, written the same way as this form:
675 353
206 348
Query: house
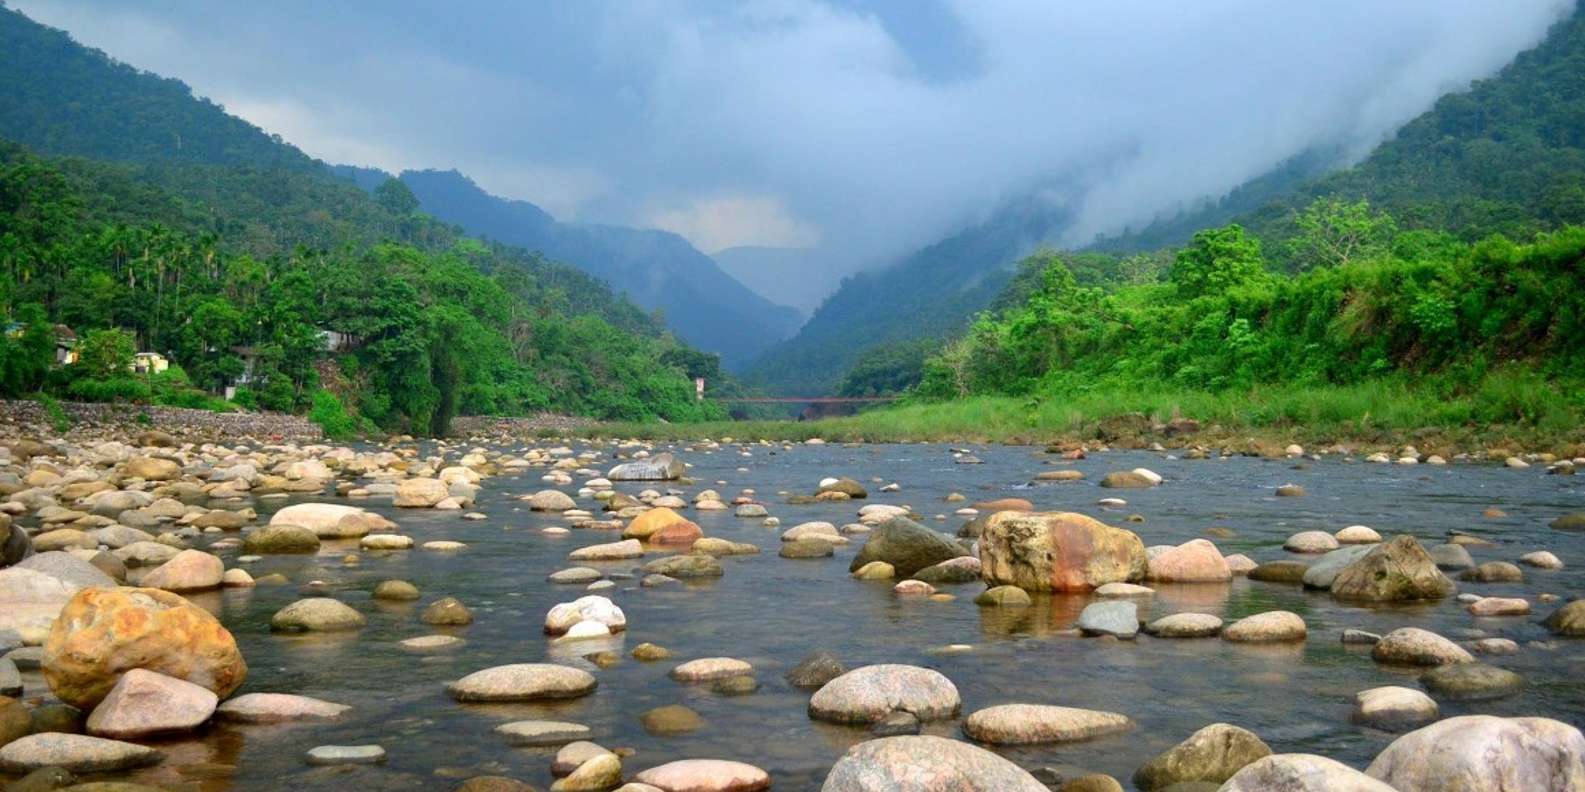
149 363
65 341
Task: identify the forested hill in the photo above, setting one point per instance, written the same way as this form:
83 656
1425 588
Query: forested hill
657 269
1507 155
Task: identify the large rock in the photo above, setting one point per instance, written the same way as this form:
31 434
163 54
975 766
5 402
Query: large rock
1568 620
1138 478
1397 570
14 543
280 540
1268 627
925 764
1324 571
1194 561
420 493
77 753
1301 773
523 682
705 775
693 565
870 693
814 671
1058 551
654 521
189 570
30 600
145 703
329 520
317 614
1029 724
844 485
1118 618
103 633
551 501
1414 646
1211 755
1484 753
151 469
907 546
594 607
661 467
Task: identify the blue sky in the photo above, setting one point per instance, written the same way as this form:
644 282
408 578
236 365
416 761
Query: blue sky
865 127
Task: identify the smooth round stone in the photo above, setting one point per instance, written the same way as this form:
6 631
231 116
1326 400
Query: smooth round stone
875 570
599 772
1483 753
523 682
396 591
447 611
542 732
429 643
1358 534
914 588
734 686
1209 756
1311 542
922 763
1414 646
443 546
77 753
325 755
385 541
278 708
316 614
1499 606
648 652
1185 625
806 548
1450 556
189 570
1494 572
1495 646
866 695
1284 571
705 775
572 756
1004 597
565 615
657 581
1268 627
588 629
1541 559
1123 590
1028 724
1471 681
237 578
1112 617
814 671
1393 708
706 669
576 575
670 720
144 703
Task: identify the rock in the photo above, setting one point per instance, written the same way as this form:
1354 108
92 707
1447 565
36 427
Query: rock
1541 559
542 732
1311 542
1003 597
705 775
551 500
1568 620
1124 590
103 633
1058 551
64 539
916 588
146 554
189 570
734 686
15 720
1414 646
278 708
661 467
612 551
814 671
1353 637
396 591
151 469
144 703
1494 572
1451 556
1393 708
1005 504
1398 570
658 521
706 669
493 784
10 685
1291 572
671 720
329 520
1185 625
1268 627
1138 478
1569 522
964 569
685 566
750 510
237 578
1484 753
1094 782
907 546
575 575
420 493
76 753
1499 606
1301 773
329 755
600 772
895 724
317 614
648 652
1194 561
1358 534
868 694
1471 681
1028 724
1059 475
1211 755
280 540
919 763
1290 491
713 546
1324 571
31 600
1110 617
573 754
594 607
875 570
806 548
68 567
844 485
447 611
386 542
523 682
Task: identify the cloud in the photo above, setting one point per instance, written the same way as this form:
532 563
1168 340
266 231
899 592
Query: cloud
873 126
719 222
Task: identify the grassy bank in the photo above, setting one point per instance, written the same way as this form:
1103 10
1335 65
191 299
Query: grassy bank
1513 412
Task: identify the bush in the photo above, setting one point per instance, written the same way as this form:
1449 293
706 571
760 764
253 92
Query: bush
111 389
332 416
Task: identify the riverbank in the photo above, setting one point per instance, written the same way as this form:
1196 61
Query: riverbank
112 420
1381 415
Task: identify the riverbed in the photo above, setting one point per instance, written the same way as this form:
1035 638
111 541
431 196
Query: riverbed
772 612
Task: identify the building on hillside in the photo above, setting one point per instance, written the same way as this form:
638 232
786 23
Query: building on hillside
149 363
65 345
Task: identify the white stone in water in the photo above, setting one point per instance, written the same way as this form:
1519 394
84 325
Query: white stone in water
585 630
443 546
425 643
542 732
1112 502
345 754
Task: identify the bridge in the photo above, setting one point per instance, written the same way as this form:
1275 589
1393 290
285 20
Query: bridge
806 399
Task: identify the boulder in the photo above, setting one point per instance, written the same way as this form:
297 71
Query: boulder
1211 755
907 546
1484 753
1194 561
1058 551
30 600
1451 557
919 763
189 570
1311 542
563 616
1324 570
77 753
1138 478
1398 570
151 468
1494 572
868 694
661 467
1118 618
523 682
1414 646
652 521
844 485
551 501
317 614
610 551
145 703
1568 620
447 612
814 671
420 493
1301 773
1185 625
1291 572
103 633
1029 724
1004 597
692 565
963 569
1268 627
280 540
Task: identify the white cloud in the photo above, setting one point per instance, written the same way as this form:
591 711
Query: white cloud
723 221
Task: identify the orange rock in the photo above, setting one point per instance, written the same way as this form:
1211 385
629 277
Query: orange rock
1005 504
1058 551
651 522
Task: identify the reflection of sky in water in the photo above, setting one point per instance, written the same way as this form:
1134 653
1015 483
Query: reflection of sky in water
773 611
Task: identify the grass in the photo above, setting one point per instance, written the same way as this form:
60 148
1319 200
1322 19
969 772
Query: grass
1436 416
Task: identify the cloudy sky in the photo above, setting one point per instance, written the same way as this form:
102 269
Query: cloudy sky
864 127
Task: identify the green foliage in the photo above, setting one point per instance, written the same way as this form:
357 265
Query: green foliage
26 351
888 369
332 416
396 198
53 410
105 354
1216 261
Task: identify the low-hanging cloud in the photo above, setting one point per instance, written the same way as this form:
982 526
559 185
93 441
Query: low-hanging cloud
870 126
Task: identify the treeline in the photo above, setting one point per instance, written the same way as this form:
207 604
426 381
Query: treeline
434 324
1367 301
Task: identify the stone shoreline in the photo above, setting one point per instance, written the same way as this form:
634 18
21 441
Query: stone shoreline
116 421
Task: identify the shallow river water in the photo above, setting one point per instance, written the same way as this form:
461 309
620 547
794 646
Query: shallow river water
772 612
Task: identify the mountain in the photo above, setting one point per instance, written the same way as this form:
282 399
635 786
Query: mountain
800 277
656 269
930 293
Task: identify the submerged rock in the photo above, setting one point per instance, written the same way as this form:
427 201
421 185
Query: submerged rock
815 671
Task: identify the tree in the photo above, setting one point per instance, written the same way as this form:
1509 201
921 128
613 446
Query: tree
396 198
103 354
26 354
1333 232
1216 260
